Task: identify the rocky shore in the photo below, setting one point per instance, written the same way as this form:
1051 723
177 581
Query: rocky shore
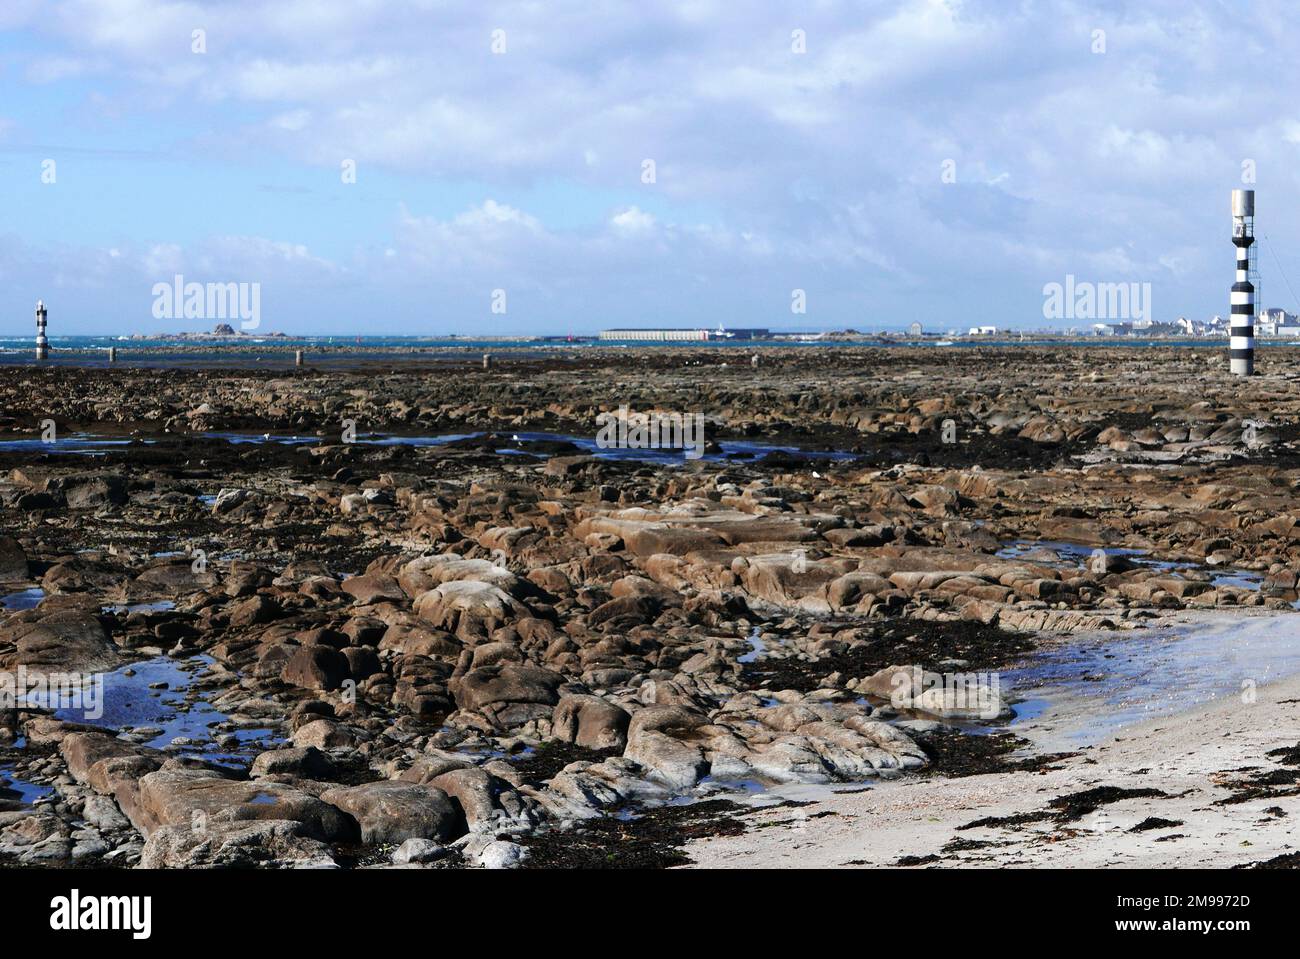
405 614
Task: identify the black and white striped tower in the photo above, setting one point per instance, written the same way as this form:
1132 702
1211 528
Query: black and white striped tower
42 344
1241 344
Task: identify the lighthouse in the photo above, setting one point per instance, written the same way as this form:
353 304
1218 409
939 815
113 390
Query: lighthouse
42 344
1241 342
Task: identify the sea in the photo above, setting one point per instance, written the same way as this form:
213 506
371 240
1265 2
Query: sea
278 350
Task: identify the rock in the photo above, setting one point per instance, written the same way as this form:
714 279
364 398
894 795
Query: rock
392 812
628 610
851 588
502 855
467 607
176 575
660 739
582 789
867 536
649 540
507 683
590 721
788 579
418 851
13 561
946 695
424 574
362 661
304 762
39 837
253 611
228 499
417 641
84 751
489 654
58 641
426 768
273 843
323 734
373 588
94 491
102 813
487 802
315 667
178 795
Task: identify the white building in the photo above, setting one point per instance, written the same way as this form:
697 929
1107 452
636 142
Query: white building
659 335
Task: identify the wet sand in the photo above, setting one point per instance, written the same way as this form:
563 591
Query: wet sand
1202 759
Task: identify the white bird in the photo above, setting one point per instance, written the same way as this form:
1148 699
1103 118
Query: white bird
816 475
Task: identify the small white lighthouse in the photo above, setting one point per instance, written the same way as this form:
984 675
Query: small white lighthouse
1241 342
42 344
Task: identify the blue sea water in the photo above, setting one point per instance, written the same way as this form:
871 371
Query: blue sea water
93 350
88 445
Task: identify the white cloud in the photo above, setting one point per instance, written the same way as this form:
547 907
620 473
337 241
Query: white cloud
819 169
632 220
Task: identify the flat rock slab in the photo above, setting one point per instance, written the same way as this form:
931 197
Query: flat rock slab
180 796
392 812
62 641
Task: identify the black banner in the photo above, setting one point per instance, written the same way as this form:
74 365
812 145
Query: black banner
138 909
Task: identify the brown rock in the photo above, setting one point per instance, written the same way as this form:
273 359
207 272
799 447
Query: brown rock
590 721
392 812
315 667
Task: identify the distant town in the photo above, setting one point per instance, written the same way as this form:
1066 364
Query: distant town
1269 323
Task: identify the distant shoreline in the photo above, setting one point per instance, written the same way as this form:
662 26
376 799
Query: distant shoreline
320 354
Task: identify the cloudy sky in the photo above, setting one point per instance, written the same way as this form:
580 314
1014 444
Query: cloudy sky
794 145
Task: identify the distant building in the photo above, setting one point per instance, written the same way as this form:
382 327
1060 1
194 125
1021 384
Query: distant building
1277 323
983 331
916 330
687 334
695 335
1145 328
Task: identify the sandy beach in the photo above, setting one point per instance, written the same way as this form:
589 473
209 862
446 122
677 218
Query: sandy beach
1198 758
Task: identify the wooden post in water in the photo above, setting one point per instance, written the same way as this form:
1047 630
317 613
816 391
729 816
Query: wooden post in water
297 357
112 354
487 361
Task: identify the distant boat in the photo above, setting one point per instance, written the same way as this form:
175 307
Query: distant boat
944 343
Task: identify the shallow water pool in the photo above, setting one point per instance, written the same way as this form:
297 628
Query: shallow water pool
1091 686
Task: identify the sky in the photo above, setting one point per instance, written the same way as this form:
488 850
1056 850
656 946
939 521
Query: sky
562 167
